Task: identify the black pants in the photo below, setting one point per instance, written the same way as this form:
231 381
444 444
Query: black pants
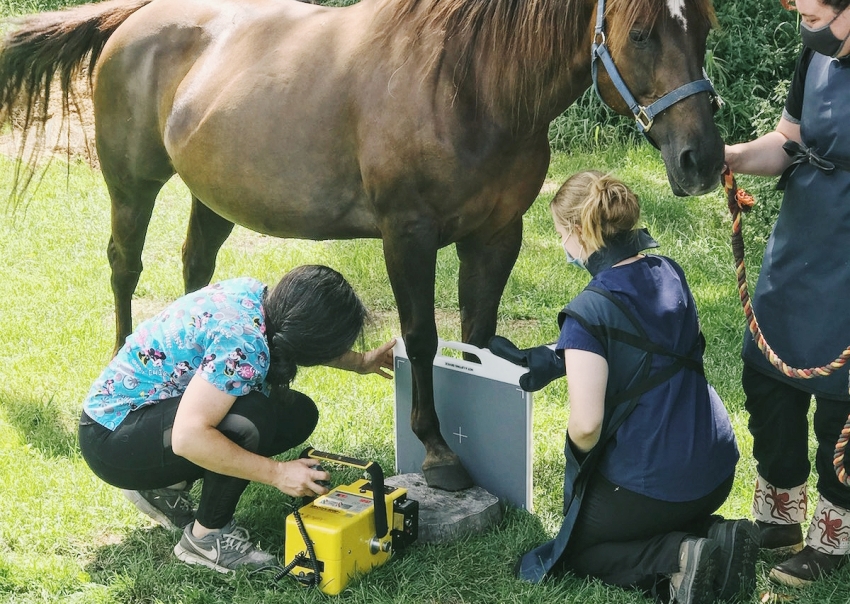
137 455
780 427
630 540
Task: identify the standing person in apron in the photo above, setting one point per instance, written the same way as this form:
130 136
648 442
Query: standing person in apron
801 302
650 451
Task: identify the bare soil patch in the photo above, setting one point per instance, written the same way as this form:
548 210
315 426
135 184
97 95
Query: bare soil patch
68 137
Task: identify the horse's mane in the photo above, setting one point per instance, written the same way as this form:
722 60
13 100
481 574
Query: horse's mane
522 42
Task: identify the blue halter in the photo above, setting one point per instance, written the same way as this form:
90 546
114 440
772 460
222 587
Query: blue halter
644 115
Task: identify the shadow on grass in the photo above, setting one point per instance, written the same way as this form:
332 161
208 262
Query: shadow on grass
41 423
142 568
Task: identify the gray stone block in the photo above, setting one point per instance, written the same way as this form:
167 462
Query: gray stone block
446 516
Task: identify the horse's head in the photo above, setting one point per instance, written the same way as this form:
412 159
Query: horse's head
658 46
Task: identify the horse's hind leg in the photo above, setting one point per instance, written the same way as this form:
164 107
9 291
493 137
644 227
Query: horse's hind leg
135 166
486 260
207 233
132 205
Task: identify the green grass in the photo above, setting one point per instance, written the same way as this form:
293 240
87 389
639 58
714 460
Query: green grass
65 536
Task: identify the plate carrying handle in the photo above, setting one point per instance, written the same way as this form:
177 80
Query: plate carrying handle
491 366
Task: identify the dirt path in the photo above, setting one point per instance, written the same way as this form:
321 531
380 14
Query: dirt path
71 138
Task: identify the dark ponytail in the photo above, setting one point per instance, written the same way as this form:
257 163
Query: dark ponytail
312 317
837 5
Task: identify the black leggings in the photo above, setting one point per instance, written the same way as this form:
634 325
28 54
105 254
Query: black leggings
137 455
630 540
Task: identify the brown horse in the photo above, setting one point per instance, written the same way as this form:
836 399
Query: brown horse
422 122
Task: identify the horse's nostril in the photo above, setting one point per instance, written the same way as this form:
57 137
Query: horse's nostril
688 159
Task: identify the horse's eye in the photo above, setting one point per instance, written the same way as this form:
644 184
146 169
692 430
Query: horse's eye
639 36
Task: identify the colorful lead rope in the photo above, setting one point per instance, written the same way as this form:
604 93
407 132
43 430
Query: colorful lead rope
739 202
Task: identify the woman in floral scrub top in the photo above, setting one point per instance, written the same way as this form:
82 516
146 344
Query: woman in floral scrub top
201 391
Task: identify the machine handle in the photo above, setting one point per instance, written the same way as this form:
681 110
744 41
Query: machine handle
376 474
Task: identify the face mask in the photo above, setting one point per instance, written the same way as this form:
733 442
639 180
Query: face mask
572 260
822 40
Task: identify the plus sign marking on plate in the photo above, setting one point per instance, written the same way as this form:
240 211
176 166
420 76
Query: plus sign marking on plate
460 435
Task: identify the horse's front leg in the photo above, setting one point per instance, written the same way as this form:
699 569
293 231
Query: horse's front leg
410 251
207 233
486 260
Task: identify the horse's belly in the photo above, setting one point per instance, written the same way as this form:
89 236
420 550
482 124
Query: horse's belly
286 208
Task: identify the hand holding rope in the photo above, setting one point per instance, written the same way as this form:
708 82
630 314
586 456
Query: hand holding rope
739 201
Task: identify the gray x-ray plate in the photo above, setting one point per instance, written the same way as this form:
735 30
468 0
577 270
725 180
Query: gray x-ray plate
485 417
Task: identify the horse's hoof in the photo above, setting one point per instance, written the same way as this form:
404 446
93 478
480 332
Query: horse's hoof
448 477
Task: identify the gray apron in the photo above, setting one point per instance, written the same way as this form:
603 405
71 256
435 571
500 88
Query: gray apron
802 300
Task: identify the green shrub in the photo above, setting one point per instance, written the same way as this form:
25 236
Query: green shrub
750 59
25 7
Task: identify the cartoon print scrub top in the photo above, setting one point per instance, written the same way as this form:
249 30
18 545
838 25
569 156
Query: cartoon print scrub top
218 330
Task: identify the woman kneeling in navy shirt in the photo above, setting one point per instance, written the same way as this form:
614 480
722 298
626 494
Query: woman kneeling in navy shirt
650 449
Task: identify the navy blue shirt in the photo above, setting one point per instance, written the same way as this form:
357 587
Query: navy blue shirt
678 443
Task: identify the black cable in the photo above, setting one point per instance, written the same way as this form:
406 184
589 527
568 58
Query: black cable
300 558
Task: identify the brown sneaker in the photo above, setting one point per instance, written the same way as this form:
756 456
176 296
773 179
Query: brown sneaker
806 567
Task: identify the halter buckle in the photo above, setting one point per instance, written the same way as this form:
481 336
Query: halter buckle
717 102
643 119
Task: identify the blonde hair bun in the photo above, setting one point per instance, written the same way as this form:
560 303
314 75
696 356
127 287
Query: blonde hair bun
600 203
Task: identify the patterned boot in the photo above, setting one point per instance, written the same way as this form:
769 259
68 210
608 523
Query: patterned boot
779 514
827 548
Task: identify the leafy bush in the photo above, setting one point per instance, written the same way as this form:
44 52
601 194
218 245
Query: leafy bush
750 59
25 7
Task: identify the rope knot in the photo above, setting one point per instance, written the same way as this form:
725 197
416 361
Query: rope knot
737 199
745 200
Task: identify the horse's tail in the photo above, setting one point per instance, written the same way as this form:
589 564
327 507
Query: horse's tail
45 46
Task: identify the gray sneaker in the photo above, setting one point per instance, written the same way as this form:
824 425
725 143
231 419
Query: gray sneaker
171 508
698 563
224 550
738 541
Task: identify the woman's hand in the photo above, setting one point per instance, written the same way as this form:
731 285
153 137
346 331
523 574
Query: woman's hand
298 478
763 156
378 360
